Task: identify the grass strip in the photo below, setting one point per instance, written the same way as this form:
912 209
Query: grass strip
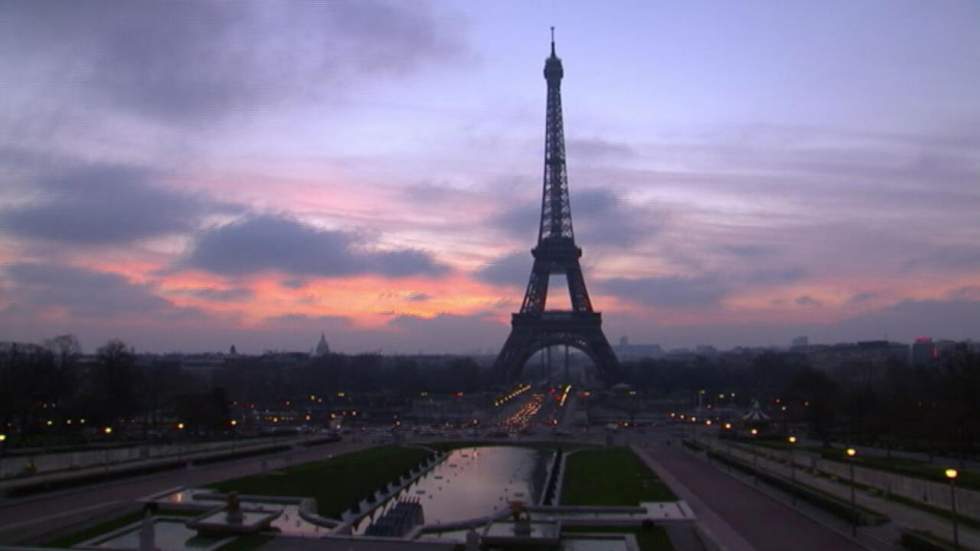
610 476
337 483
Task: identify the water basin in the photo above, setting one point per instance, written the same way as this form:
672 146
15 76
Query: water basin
473 483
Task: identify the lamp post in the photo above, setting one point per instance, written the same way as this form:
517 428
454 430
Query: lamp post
851 453
728 443
951 474
3 446
755 458
792 462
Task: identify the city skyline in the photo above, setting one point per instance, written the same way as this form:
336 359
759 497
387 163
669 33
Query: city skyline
192 176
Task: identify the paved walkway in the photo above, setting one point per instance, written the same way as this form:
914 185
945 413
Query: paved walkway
902 515
131 466
735 515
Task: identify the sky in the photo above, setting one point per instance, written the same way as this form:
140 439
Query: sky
193 175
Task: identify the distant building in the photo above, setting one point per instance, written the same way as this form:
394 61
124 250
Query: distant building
706 350
874 355
801 342
924 352
322 349
627 351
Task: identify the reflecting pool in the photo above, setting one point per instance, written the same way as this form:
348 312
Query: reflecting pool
475 482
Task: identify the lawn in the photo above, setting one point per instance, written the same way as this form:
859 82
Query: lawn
610 476
336 483
650 539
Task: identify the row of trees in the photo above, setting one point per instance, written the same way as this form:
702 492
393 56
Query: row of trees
52 388
928 408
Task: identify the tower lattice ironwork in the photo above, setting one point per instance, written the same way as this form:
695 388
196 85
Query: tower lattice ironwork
535 328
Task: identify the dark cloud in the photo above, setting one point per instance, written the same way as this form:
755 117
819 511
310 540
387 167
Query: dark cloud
418 297
862 297
598 149
294 283
278 243
947 257
194 61
84 293
512 269
775 276
232 294
520 221
599 216
970 293
748 251
667 291
807 300
105 204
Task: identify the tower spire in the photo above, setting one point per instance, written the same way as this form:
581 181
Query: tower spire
553 41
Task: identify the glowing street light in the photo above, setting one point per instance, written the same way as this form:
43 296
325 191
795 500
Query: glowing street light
107 430
728 426
792 462
851 453
755 432
180 426
951 474
3 437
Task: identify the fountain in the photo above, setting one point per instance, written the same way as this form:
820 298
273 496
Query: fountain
232 519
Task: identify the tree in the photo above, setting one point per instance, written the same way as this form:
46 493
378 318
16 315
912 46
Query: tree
115 382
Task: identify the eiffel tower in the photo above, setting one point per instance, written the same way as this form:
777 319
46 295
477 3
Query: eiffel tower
534 328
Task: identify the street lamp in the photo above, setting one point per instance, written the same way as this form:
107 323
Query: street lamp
851 453
792 462
755 458
951 474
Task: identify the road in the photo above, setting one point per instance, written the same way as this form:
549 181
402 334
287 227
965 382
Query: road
762 522
52 509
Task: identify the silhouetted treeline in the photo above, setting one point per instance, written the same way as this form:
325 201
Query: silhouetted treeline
888 404
49 389
256 378
54 390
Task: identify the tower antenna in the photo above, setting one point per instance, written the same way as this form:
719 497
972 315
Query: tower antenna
552 40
